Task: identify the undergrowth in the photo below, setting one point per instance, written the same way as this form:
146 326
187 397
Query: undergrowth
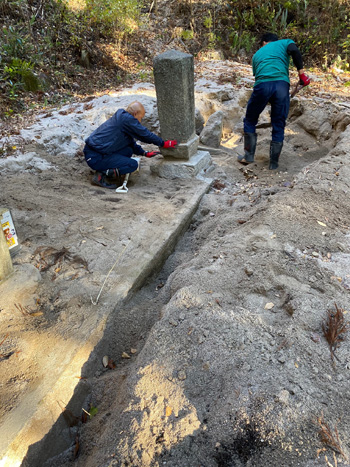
53 44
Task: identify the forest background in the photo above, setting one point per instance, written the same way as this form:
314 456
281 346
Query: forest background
55 50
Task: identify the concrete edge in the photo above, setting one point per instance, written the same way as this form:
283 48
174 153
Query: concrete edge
44 428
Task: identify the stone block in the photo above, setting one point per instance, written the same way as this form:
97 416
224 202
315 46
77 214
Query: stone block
183 150
172 169
174 81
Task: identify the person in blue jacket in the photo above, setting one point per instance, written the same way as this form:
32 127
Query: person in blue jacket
271 71
109 148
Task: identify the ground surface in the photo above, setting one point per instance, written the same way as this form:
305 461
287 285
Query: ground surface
220 358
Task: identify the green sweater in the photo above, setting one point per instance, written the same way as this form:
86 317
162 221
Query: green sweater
271 62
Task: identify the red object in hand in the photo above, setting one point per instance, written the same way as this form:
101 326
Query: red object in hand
170 143
304 79
151 153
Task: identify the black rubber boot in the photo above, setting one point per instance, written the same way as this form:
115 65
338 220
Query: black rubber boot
100 179
249 149
275 151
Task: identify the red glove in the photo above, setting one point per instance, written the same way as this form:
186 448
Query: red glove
304 79
151 153
170 144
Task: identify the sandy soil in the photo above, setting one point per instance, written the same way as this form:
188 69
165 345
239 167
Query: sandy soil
220 359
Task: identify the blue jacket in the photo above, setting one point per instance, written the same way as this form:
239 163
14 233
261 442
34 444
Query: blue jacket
119 132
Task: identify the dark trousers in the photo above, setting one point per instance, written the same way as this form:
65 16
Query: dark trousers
101 163
275 92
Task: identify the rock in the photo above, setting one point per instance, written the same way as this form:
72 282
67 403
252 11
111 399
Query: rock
199 122
282 396
212 132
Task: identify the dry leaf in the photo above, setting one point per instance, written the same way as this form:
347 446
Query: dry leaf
111 365
36 313
125 355
322 223
100 228
269 306
296 365
76 447
168 411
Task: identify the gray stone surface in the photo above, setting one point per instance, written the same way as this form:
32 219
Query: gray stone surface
212 132
174 80
180 169
199 122
183 150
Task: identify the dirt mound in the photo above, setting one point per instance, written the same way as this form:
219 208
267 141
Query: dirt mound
220 359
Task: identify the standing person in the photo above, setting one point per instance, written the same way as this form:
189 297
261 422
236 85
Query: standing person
109 148
271 71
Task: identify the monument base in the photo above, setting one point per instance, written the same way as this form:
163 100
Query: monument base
175 168
183 150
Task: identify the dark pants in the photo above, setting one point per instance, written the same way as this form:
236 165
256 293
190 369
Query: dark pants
275 92
101 163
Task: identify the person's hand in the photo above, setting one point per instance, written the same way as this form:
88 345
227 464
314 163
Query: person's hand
304 80
170 143
151 153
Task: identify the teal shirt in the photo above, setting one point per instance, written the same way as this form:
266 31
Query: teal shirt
271 62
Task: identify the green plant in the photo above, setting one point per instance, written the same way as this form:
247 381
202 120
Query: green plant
187 34
19 74
245 41
114 16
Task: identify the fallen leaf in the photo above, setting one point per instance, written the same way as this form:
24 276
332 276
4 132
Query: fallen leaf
36 313
111 365
322 223
93 411
100 228
105 361
76 448
125 355
269 306
296 365
168 411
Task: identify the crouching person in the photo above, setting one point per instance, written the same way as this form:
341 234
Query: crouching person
109 148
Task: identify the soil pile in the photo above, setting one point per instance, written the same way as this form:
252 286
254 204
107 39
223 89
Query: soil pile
221 358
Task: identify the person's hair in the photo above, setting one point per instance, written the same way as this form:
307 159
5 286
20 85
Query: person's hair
268 37
134 108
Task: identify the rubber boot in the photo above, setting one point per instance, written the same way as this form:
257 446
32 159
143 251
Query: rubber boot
100 179
275 151
249 149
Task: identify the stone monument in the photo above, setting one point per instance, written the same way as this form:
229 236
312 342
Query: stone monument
174 81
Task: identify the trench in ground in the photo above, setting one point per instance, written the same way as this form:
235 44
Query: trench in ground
130 324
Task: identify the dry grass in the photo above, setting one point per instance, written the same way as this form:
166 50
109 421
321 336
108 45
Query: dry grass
335 329
330 437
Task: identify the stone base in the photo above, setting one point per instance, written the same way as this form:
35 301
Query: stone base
183 150
182 169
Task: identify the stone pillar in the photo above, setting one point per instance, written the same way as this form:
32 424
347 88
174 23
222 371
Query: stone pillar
6 267
174 80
